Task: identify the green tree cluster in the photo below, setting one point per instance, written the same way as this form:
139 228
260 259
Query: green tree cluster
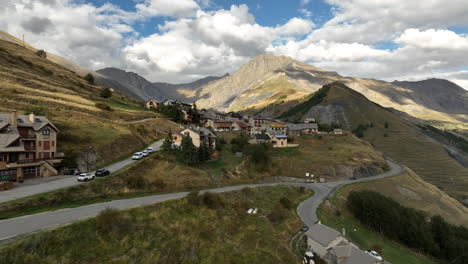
105 92
187 153
172 112
411 227
259 155
89 78
239 143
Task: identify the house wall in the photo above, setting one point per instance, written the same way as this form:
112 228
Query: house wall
46 145
316 247
194 136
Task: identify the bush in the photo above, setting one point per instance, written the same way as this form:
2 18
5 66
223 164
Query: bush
105 92
212 200
286 203
89 78
103 106
259 155
111 221
136 182
41 53
278 214
193 198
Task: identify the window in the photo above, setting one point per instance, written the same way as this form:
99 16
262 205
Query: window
46 132
53 143
37 120
19 120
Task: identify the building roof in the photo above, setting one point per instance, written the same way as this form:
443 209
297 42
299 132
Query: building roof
322 234
337 130
302 126
279 136
351 255
151 100
23 121
277 124
262 137
225 124
260 117
241 124
201 131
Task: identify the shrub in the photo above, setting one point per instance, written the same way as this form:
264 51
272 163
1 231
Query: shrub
212 200
136 182
111 221
193 198
259 155
89 78
286 203
105 92
278 214
41 53
103 106
159 184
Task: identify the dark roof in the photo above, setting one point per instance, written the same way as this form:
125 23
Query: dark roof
322 234
302 126
262 137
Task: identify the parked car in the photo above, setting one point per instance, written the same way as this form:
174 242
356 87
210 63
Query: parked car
85 177
137 156
375 255
150 150
73 171
353 178
102 172
145 153
304 228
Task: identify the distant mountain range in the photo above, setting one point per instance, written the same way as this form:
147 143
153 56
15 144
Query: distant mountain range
140 88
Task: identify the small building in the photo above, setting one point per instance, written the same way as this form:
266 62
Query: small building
277 128
334 248
222 125
302 129
260 138
240 126
28 147
221 116
338 131
198 136
151 104
279 141
259 121
309 120
320 238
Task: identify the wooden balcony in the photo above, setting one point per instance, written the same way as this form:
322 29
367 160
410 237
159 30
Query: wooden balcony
3 165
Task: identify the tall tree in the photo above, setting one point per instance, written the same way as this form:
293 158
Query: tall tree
188 153
204 152
167 143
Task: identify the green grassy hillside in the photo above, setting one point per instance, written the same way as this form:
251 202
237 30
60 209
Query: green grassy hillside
213 229
29 83
398 138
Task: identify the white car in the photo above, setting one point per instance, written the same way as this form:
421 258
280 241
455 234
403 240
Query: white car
145 153
137 156
150 150
375 255
85 177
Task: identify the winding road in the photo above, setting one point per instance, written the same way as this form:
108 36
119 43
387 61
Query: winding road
19 226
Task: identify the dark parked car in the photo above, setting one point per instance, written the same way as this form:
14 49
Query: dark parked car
304 228
73 171
102 172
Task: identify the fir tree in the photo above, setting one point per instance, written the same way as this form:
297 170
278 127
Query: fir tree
204 152
167 143
188 153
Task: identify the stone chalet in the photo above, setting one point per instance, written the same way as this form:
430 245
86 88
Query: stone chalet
198 136
302 129
28 147
277 128
151 104
334 248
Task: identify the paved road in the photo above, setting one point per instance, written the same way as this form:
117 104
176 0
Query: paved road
57 182
14 227
307 210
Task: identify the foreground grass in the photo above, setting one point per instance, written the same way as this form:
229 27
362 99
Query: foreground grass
334 214
175 232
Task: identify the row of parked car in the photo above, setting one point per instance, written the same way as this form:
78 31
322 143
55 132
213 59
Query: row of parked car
89 176
144 153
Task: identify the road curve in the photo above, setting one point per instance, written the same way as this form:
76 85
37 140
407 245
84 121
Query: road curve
307 210
19 226
27 190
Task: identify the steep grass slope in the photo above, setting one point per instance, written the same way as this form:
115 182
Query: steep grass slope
32 83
